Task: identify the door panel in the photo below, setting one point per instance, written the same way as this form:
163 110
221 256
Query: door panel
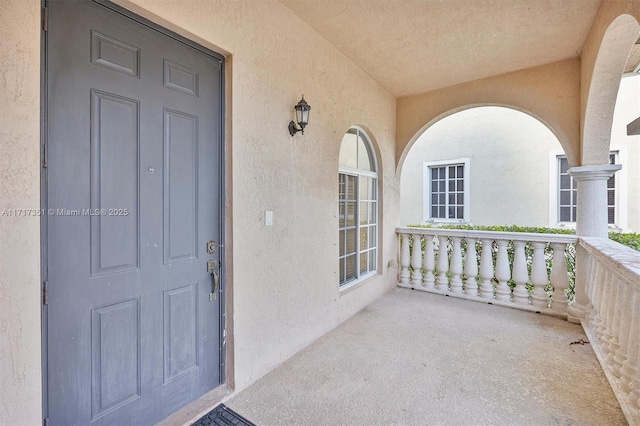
134 160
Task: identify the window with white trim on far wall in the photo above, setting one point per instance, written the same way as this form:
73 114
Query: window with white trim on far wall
446 191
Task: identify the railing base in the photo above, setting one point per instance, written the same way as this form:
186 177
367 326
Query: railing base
529 308
631 414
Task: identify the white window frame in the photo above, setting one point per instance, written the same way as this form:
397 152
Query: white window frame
357 173
426 190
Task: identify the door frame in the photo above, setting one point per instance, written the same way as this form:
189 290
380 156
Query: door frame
225 332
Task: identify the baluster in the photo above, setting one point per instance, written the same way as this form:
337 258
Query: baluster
619 329
503 292
596 282
456 265
471 269
486 269
429 262
590 289
443 264
608 335
520 274
629 365
416 261
559 278
604 302
539 277
404 259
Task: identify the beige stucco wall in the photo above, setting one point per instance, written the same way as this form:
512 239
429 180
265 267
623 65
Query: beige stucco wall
285 277
20 389
508 152
550 93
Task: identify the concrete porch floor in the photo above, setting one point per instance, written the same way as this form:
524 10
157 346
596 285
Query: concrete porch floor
417 358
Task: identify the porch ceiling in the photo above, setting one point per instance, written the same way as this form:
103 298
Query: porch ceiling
415 46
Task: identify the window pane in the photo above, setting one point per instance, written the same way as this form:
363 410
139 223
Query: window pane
350 268
351 188
564 165
434 186
452 212
342 280
460 212
460 199
372 260
441 212
611 214
441 187
452 198
434 199
351 214
364 238
364 188
341 243
364 262
351 241
574 195
364 159
434 211
574 214
364 213
611 198
565 182
460 185
611 182
349 151
341 186
565 198
565 214
441 172
373 213
341 215
434 173
442 198
452 185
373 236
460 172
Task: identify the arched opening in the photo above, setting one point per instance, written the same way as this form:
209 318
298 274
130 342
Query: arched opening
485 165
609 66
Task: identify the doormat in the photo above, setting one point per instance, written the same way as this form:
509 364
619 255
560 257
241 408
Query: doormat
222 416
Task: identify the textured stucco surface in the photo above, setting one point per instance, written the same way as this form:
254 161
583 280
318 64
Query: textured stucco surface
285 277
434 44
509 162
551 93
20 389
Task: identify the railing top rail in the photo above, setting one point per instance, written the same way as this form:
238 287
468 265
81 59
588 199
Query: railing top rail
622 260
494 235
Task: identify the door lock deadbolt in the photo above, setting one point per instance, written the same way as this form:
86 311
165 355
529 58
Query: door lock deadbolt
212 246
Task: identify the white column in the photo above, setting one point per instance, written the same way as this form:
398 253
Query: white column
503 292
443 263
416 261
539 277
520 274
559 278
429 262
486 269
471 268
456 265
591 221
404 259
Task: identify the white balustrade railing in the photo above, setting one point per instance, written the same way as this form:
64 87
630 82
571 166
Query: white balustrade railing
612 320
520 270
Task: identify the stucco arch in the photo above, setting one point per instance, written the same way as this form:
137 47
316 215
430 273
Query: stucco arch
609 65
549 93
460 109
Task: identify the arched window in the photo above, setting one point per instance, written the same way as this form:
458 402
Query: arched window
358 207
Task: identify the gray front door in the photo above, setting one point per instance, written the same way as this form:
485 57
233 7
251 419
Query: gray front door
134 157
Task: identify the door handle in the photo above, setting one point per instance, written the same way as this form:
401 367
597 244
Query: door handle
212 268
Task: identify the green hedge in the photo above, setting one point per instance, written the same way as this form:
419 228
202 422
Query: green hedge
626 238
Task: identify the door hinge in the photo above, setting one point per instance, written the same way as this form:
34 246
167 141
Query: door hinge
45 293
44 156
45 19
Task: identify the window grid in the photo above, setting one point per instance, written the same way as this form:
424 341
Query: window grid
447 192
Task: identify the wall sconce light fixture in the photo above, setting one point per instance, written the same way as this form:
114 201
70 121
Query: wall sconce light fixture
302 116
